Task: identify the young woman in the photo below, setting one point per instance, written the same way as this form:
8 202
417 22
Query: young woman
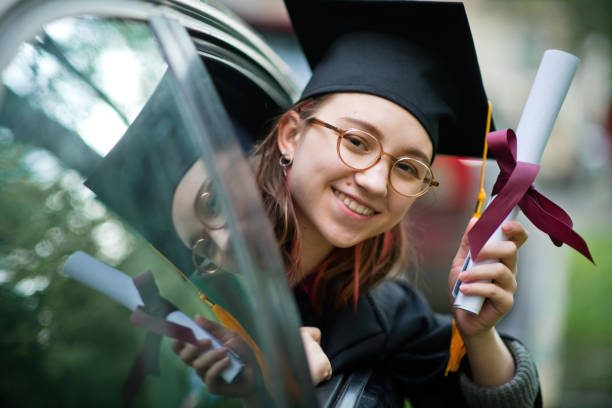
338 174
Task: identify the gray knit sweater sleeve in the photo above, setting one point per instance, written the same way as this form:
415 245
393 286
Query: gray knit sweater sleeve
519 392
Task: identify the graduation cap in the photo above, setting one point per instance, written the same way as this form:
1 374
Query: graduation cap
418 54
138 177
137 180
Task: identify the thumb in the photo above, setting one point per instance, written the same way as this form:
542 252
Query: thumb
464 247
213 328
313 332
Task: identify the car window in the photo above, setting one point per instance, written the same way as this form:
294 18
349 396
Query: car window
102 175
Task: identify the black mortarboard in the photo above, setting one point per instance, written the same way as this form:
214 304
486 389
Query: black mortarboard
138 177
418 54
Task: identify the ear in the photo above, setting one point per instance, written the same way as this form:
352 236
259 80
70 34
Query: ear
289 132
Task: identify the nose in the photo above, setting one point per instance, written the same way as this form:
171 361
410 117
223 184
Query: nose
375 179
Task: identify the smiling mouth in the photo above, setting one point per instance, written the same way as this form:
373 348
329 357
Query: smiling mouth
353 205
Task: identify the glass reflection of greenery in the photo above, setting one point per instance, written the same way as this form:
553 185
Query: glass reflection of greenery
71 345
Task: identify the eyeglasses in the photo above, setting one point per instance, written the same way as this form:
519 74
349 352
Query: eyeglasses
205 249
361 151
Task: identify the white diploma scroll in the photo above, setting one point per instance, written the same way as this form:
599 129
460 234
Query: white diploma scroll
550 86
119 286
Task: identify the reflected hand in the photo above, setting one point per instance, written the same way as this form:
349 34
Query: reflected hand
209 363
318 363
499 279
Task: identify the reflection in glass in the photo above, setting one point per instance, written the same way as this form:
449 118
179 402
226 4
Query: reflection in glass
95 157
70 95
91 76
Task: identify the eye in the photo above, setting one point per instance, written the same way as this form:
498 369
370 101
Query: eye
406 168
358 143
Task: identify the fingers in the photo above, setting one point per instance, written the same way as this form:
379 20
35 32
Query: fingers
464 240
318 363
496 272
206 360
177 345
215 370
505 251
494 281
188 352
209 362
515 232
462 251
213 328
501 298
313 332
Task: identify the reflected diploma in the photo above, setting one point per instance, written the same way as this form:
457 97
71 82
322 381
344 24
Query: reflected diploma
120 287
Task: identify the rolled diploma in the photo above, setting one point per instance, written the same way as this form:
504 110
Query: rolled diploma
550 86
119 286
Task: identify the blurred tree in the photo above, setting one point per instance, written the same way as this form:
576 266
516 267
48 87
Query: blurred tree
64 344
73 346
584 17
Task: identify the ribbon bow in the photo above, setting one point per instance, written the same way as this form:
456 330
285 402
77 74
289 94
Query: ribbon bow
153 318
514 186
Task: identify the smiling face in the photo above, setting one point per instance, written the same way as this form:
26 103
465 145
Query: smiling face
336 205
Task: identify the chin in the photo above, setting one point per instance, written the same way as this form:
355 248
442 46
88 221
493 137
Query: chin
346 240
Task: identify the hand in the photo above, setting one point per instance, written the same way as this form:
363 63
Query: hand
499 279
209 362
318 363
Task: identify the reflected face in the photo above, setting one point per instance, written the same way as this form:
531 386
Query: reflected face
190 226
338 205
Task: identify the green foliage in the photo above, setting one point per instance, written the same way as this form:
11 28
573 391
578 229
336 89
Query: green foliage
583 17
63 344
68 344
588 346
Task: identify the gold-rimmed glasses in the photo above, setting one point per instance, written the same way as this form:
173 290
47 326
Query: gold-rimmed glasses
205 252
359 150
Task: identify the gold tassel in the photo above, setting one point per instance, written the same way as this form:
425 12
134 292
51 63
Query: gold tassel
482 196
231 323
456 352
225 317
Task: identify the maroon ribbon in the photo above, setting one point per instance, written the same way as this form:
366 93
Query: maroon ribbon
514 186
153 318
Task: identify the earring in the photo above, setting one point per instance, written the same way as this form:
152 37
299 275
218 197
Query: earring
285 160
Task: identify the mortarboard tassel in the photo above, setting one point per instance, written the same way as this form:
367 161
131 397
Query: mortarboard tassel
457 347
226 319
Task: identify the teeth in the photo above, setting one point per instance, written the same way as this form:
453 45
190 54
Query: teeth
353 205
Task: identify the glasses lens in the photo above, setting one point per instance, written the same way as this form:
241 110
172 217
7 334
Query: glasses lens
208 208
410 177
203 253
358 149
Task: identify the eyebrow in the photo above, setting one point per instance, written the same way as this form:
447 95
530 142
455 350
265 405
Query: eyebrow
370 128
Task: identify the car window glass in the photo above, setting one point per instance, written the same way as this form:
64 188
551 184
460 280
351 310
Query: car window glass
95 159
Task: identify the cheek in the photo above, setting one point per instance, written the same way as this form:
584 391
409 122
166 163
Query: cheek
398 207
316 164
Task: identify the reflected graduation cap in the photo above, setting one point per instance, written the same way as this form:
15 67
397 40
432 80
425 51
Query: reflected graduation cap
138 177
418 54
137 180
